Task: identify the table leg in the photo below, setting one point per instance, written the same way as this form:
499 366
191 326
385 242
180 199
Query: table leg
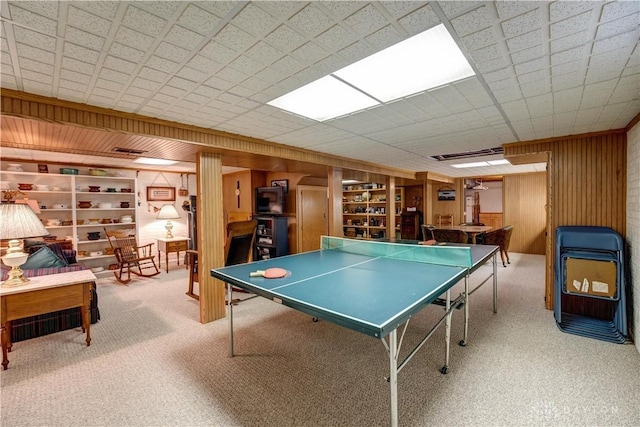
166 259
5 342
447 331
393 376
86 312
495 282
230 315
463 342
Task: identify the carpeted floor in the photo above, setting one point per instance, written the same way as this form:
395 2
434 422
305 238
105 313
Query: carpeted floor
151 363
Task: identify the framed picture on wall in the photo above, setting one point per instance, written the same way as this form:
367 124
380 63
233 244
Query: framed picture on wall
161 194
284 183
447 195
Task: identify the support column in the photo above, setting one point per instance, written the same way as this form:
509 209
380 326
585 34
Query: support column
335 202
211 235
390 208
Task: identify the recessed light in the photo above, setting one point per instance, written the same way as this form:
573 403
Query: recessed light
158 162
498 162
470 165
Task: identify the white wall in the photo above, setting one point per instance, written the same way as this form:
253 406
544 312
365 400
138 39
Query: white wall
150 228
633 228
491 199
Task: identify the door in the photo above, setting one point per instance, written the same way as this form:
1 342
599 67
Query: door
313 218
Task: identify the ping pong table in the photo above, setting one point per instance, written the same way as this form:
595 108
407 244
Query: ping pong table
370 287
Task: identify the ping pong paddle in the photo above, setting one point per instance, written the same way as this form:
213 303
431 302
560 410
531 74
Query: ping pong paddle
269 273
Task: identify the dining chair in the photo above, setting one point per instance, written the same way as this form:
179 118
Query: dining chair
450 236
500 237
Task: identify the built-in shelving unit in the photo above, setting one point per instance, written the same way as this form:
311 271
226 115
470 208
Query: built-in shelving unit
271 237
364 210
111 198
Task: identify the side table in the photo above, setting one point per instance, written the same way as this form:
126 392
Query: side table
174 244
44 294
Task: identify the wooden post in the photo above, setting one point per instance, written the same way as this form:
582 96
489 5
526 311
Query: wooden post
211 235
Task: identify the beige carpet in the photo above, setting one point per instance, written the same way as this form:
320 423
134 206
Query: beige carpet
151 363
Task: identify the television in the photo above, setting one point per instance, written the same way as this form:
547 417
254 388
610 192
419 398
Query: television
270 200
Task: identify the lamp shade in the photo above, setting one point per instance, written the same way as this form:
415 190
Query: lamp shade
18 221
168 212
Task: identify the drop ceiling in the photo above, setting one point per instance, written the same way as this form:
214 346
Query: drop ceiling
543 69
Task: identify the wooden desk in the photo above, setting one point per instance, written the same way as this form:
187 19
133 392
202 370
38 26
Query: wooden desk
471 230
174 244
45 294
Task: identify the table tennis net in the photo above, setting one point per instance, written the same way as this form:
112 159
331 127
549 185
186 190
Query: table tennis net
456 256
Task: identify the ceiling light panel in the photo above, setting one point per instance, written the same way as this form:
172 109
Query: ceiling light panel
317 100
424 61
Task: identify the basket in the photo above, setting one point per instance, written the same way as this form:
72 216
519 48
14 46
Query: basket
98 172
68 171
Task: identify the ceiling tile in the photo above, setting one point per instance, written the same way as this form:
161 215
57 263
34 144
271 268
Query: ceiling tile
570 25
134 39
34 20
35 53
614 10
366 20
83 38
524 41
80 53
284 38
33 38
196 19
420 20
472 22
235 39
127 53
144 22
311 20
627 23
183 37
86 21
523 23
254 20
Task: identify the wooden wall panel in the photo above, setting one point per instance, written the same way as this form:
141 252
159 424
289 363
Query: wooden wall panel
587 184
525 197
453 207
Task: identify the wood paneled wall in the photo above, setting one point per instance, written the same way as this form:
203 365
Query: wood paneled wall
525 197
587 184
453 207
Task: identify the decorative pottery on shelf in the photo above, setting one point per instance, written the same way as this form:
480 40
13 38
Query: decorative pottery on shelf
94 188
125 190
84 205
93 235
25 187
124 204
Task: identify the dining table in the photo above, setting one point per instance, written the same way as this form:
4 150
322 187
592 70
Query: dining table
472 230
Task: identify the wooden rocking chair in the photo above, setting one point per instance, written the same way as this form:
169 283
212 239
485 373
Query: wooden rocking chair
135 259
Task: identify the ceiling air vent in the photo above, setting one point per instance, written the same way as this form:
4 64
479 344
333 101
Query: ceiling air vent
128 151
468 154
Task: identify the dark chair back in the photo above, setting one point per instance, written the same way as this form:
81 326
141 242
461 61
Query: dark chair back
450 236
239 246
427 232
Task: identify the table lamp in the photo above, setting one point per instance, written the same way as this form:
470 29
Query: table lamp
168 212
18 221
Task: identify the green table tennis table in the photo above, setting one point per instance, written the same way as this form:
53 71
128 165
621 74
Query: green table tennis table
372 287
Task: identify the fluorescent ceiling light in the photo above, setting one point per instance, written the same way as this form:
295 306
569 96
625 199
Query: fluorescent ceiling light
424 61
350 181
419 63
324 99
498 162
482 164
150 161
470 165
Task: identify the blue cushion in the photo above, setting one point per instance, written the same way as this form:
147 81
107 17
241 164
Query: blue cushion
43 258
31 246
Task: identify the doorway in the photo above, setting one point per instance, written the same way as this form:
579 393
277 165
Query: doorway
313 218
